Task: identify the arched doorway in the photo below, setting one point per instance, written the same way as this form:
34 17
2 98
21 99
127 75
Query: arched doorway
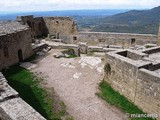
20 55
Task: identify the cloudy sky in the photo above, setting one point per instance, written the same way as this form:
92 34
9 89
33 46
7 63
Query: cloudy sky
49 5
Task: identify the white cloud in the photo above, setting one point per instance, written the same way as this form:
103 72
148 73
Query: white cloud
42 5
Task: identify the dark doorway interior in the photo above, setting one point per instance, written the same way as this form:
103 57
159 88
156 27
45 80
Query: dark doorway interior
20 55
57 35
133 41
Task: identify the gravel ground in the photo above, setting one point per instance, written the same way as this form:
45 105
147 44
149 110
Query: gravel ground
76 80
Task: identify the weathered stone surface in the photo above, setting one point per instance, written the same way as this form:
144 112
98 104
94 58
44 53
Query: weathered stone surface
15 44
9 27
119 39
12 107
54 26
136 78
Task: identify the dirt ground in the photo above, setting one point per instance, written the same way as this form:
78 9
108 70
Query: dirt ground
76 80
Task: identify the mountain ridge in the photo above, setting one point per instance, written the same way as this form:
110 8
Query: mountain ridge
133 19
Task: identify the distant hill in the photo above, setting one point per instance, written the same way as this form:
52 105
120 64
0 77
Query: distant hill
71 13
135 21
135 17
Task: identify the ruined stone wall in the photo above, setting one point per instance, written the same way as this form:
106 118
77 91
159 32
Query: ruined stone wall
123 74
38 28
123 39
134 79
58 26
10 44
55 26
12 107
158 37
148 91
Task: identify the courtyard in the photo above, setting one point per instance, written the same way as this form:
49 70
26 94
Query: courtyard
76 80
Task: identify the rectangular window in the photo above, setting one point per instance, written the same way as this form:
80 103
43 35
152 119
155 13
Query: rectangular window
74 38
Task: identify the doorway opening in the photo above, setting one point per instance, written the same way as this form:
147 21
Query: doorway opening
20 55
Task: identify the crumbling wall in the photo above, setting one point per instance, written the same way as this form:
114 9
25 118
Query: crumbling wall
122 39
37 25
55 26
59 26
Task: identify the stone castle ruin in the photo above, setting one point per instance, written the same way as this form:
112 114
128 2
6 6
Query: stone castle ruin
134 74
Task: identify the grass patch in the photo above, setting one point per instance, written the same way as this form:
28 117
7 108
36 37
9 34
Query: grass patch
114 98
27 85
149 46
71 56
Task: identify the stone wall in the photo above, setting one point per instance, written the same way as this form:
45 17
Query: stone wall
59 26
134 79
55 26
14 45
148 91
158 37
12 107
122 39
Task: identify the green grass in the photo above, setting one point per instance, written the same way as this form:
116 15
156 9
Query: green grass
148 46
71 56
29 90
114 98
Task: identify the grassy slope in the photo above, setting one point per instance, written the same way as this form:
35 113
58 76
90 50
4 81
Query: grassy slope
22 81
114 98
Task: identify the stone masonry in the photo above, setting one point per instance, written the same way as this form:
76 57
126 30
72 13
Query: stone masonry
123 39
15 43
136 75
55 27
12 107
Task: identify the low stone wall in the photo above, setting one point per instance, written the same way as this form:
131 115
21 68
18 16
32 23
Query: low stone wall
67 46
12 107
133 79
151 50
122 39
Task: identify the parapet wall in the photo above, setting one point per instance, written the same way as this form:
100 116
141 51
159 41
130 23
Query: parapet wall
12 107
124 39
134 79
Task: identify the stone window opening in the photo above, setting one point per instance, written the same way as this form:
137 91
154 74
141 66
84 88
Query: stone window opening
5 50
40 26
74 38
57 22
20 55
57 36
29 24
133 40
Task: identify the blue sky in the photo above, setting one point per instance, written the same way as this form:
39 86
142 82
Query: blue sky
49 5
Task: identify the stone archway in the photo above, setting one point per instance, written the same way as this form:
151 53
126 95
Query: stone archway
20 55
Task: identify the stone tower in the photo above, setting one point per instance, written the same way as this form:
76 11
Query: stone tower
158 36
